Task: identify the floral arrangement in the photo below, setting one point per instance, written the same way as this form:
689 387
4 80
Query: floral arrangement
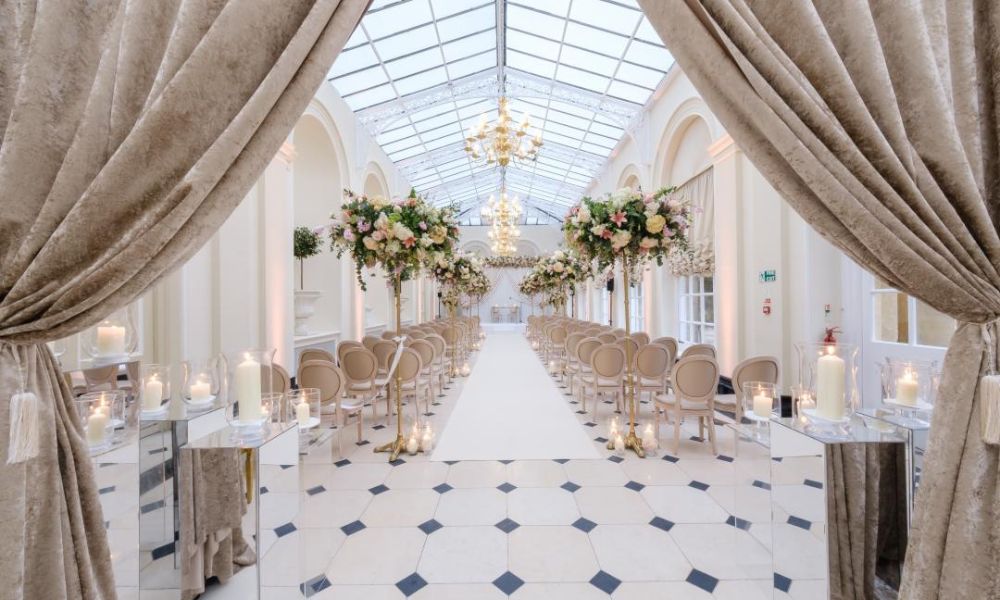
510 262
400 235
459 274
305 244
562 269
531 284
628 223
696 259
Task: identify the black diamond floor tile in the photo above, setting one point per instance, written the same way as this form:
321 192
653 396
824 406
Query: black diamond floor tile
314 585
569 486
699 485
508 583
616 459
584 525
702 580
725 458
799 522
442 488
761 484
812 483
561 461
319 489
635 486
507 525
378 489
411 584
283 530
506 487
605 582
342 463
430 527
661 523
669 458
352 527
782 583
738 523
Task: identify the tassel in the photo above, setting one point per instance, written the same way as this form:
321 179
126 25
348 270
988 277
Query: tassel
23 428
989 390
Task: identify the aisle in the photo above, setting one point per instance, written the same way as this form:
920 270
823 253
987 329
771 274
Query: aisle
510 408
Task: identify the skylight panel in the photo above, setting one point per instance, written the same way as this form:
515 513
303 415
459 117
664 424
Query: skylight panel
573 132
625 91
582 59
447 118
415 150
637 75
444 141
588 37
361 80
532 44
531 64
656 57
582 79
414 63
409 42
481 19
370 97
595 149
354 60
606 15
446 8
398 133
467 46
381 23
646 33
479 63
535 22
569 120
421 81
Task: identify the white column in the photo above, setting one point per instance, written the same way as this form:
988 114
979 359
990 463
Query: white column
727 181
352 303
277 217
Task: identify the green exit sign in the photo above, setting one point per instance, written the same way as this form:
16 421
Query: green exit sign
768 276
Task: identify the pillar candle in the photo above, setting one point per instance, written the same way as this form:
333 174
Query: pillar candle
906 389
830 386
152 394
96 424
427 440
649 437
762 406
302 413
248 390
412 445
110 340
200 391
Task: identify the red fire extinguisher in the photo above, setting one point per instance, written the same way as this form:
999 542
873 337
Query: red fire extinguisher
767 306
831 335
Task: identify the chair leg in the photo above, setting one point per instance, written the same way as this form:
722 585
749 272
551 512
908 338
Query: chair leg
711 434
677 433
701 428
340 432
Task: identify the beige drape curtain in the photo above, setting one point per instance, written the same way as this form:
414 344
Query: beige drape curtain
877 121
698 258
128 132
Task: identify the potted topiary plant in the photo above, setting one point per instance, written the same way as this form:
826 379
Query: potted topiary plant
306 244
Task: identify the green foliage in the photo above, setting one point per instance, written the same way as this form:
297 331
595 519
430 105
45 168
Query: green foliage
306 243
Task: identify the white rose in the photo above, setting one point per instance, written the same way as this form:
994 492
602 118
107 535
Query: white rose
402 232
620 239
370 243
557 267
597 230
583 216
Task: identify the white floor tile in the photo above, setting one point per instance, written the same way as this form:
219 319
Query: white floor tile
674 590
542 506
683 504
639 553
722 551
377 555
654 471
613 505
464 555
473 506
551 554
558 591
595 472
536 473
359 592
417 475
333 508
401 508
459 591
477 473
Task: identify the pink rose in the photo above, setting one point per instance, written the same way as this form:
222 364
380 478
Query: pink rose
618 218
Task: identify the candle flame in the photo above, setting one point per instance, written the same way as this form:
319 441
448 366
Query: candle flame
830 350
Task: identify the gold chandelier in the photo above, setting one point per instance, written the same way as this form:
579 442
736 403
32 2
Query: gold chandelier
504 215
502 142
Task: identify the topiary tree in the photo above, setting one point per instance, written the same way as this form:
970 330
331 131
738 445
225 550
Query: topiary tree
306 243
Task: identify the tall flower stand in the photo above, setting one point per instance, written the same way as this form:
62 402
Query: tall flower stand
632 441
398 445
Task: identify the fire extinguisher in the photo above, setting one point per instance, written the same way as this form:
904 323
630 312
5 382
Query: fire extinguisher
767 306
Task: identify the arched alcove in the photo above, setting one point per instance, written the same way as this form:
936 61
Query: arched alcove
317 185
690 152
375 184
629 178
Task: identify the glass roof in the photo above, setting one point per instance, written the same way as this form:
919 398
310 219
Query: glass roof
419 73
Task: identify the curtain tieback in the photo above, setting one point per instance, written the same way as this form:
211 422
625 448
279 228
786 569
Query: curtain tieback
989 389
23 444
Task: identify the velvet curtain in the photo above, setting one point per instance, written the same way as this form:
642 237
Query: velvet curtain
877 121
128 133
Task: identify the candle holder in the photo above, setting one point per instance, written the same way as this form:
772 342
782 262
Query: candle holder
829 372
110 340
100 414
649 442
427 438
204 382
758 405
154 389
303 405
909 387
247 388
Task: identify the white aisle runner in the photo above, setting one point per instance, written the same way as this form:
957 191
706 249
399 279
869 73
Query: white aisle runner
511 409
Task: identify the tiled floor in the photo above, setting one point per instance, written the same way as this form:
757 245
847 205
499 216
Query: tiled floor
675 525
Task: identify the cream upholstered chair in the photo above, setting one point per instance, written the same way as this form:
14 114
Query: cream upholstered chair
757 368
439 367
426 352
694 381
330 381
360 369
607 337
641 338
408 370
281 382
308 354
345 346
388 335
699 350
557 348
608 376
383 351
618 332
630 346
369 341
584 355
572 360
652 367
452 339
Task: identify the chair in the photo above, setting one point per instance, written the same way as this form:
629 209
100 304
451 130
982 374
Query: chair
360 368
757 368
426 352
315 354
369 341
630 346
388 335
344 347
608 376
408 372
652 365
607 337
694 381
699 350
640 337
281 382
584 356
572 361
671 344
330 381
439 367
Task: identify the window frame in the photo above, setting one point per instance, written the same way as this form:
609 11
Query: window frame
686 324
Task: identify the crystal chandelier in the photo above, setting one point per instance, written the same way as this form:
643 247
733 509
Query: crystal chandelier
502 142
504 215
